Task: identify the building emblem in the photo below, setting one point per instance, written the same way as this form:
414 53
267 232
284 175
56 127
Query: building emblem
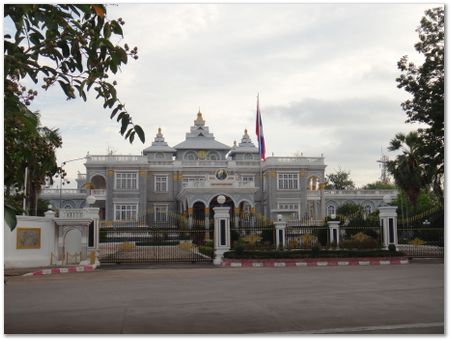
201 154
221 174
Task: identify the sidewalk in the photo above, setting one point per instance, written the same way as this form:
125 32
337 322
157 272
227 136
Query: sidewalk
36 271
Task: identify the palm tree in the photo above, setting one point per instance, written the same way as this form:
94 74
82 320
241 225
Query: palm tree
409 172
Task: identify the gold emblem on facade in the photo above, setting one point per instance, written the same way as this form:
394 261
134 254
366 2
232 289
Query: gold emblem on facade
109 173
201 154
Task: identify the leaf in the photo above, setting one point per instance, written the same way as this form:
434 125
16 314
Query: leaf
107 31
125 123
114 112
99 10
10 217
140 133
66 88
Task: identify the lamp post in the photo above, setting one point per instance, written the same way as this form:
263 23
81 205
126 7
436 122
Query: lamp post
62 174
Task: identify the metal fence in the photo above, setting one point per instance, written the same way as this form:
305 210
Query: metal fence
354 237
306 237
169 240
421 241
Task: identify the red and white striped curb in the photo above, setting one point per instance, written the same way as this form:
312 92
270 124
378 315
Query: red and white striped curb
75 269
314 262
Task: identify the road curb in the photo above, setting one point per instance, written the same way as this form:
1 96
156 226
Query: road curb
234 263
74 269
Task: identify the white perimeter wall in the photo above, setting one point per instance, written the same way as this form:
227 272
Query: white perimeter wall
21 258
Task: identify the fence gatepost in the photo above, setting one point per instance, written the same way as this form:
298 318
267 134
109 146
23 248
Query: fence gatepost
388 223
334 232
280 232
221 233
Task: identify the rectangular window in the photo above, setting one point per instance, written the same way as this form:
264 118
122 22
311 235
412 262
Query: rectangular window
161 183
193 181
125 211
247 178
161 213
288 206
287 181
126 181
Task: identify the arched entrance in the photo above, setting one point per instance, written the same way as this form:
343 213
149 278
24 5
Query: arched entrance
228 203
198 214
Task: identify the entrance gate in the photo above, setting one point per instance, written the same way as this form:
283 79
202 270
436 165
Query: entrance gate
164 241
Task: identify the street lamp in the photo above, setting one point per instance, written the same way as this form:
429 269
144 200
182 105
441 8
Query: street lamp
62 173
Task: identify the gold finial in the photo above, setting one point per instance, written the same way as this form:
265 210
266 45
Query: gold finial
159 131
199 120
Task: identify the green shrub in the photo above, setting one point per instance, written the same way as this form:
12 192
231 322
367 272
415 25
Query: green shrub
368 243
205 250
391 247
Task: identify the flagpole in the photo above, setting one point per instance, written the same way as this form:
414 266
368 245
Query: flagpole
260 162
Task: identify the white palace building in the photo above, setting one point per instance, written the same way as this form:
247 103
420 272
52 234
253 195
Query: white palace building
187 178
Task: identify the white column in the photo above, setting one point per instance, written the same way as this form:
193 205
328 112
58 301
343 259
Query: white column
388 223
334 232
221 233
280 232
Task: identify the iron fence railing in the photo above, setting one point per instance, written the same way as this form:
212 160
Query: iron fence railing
421 241
356 237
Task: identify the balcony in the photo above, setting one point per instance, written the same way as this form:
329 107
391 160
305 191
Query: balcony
99 194
360 193
294 161
112 159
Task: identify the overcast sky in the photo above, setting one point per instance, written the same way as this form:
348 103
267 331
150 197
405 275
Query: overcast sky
325 74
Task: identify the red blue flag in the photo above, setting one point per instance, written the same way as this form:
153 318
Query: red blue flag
260 133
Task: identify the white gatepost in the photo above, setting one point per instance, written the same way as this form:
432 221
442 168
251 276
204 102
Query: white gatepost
388 223
221 233
280 232
334 232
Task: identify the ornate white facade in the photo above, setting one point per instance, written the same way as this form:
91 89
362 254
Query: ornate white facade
187 178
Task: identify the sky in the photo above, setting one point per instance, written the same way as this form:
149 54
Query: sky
325 74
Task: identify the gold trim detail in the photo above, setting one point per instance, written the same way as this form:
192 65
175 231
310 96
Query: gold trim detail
109 173
302 173
28 238
142 172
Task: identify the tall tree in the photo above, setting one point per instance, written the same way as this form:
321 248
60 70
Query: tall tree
425 83
29 151
340 180
70 45
408 170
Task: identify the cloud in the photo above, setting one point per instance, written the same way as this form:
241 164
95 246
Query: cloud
325 73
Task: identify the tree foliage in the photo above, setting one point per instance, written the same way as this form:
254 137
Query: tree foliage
71 46
27 145
379 185
425 83
408 170
340 180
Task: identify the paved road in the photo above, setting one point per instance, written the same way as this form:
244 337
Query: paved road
364 299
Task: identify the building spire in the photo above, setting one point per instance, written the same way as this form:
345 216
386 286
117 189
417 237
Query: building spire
199 121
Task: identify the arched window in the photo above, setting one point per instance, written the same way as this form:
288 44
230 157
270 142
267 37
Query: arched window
331 210
190 156
213 156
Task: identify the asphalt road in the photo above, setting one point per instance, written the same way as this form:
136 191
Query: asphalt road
395 299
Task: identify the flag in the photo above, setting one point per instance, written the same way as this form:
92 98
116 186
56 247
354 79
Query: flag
260 133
